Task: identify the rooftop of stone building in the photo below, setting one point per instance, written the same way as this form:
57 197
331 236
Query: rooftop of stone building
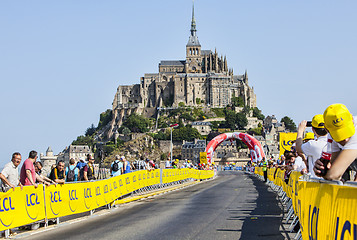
172 63
206 52
79 148
201 123
49 149
228 143
199 144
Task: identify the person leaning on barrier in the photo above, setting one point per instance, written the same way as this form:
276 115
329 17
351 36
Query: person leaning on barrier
126 165
57 174
312 150
10 174
298 163
87 172
72 171
341 126
28 175
116 168
38 170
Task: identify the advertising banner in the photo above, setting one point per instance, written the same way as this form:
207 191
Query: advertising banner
20 207
285 141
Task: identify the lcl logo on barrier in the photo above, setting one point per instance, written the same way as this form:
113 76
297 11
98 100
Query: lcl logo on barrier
87 193
55 199
97 191
127 180
6 205
97 194
346 229
87 196
55 196
72 195
313 223
31 200
72 200
106 188
32 205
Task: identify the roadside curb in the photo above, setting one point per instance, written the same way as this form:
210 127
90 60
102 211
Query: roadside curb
131 199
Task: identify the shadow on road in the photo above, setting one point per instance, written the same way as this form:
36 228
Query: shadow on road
264 221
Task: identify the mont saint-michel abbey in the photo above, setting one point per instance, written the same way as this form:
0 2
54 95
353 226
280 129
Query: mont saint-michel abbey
203 77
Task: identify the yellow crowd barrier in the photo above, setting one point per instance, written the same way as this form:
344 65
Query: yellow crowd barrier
21 207
326 210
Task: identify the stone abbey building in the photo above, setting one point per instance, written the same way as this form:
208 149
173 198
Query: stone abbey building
203 78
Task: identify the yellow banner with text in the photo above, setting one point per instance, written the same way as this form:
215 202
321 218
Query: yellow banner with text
21 207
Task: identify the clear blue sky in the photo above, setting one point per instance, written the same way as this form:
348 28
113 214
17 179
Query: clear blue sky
61 61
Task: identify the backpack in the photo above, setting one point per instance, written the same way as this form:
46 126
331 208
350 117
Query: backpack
115 166
70 174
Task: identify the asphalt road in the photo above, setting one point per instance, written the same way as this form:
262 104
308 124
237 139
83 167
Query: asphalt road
235 205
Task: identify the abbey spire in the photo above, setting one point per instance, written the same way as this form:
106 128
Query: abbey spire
193 39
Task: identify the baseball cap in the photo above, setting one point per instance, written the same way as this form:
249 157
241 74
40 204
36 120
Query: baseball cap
309 135
339 122
82 159
318 121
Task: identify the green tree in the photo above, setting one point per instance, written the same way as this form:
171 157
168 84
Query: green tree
105 118
181 104
91 130
126 131
235 120
83 140
241 120
258 113
187 116
137 123
246 110
289 123
237 102
230 119
185 133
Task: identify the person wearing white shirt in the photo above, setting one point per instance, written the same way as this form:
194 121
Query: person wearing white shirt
312 149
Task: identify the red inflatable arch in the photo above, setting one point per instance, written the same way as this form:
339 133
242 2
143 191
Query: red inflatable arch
256 150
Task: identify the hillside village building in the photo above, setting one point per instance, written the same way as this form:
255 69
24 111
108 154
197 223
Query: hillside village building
202 78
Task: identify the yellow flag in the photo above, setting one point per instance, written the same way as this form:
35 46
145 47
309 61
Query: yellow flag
285 141
203 157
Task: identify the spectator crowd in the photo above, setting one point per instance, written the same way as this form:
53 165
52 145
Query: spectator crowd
328 152
31 172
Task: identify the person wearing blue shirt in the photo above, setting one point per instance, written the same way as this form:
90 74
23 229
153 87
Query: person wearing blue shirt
120 167
126 166
72 170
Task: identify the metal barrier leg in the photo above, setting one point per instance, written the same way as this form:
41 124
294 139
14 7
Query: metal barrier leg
57 221
290 213
298 235
290 202
7 233
293 224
